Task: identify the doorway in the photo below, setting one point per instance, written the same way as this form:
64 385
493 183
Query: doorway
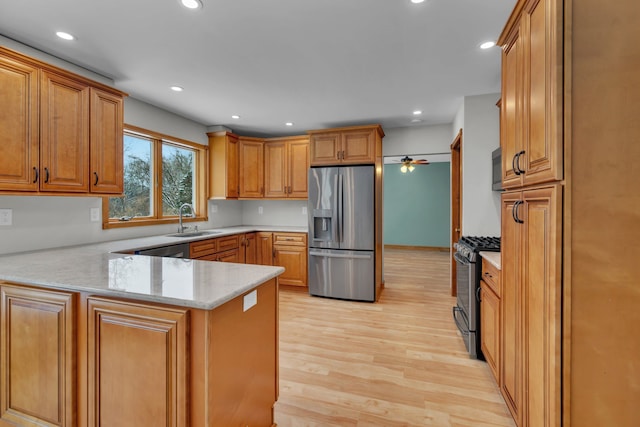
456 204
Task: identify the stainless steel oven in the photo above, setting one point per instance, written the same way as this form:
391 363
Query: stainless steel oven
466 313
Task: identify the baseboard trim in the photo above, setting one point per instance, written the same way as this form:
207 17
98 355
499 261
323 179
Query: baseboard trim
419 248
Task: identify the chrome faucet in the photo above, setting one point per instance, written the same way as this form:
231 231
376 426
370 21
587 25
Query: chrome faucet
181 228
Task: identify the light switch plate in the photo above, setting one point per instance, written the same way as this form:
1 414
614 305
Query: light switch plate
260 210
214 208
250 300
6 216
95 214
304 210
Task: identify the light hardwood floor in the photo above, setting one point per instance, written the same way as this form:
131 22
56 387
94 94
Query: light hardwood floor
399 362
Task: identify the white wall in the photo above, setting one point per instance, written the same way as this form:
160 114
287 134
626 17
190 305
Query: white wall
480 136
417 140
274 212
147 116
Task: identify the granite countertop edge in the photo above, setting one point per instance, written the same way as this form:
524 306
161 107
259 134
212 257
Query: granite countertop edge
85 268
493 258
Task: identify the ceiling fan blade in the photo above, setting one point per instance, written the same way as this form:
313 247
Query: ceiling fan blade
420 162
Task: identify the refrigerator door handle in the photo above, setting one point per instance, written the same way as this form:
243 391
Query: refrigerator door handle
334 255
335 214
340 208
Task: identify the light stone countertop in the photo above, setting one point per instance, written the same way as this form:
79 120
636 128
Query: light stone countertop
99 270
492 257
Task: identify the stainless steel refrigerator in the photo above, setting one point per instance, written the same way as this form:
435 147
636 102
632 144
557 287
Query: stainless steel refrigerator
342 232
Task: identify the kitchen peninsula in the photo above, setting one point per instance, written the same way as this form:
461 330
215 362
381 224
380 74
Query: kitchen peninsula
94 337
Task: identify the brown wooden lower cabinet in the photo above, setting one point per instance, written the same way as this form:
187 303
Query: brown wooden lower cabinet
137 360
490 327
290 252
37 357
294 261
72 359
265 248
250 248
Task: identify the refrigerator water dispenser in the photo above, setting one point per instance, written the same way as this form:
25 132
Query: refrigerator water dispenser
322 223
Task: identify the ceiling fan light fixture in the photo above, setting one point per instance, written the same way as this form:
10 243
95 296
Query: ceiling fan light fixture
403 168
411 168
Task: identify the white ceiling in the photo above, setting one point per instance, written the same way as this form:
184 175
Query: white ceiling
319 64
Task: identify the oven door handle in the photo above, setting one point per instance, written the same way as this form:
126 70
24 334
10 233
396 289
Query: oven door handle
461 259
462 328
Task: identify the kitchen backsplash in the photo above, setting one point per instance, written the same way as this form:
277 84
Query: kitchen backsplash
40 222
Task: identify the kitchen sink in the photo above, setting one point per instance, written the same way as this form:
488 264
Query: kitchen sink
194 233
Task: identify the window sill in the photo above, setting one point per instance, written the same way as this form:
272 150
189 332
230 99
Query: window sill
141 222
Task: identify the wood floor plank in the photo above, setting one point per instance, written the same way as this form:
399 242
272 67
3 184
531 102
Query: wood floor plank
397 363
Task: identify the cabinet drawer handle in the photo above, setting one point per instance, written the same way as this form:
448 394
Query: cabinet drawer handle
514 213
37 174
517 161
96 181
46 175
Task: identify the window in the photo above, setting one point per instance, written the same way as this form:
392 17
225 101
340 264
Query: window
161 173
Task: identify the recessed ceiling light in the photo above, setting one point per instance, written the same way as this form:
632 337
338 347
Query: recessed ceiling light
65 36
289 124
417 113
191 4
416 1
235 116
487 45
176 88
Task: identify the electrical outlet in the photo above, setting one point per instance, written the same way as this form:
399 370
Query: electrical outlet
6 216
95 214
249 300
304 210
260 210
214 208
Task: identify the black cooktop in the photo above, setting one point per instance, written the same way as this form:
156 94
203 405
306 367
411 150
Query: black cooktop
481 243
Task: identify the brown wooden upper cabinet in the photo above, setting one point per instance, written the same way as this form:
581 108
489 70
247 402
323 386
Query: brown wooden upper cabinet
251 167
286 166
349 145
532 102
59 132
223 164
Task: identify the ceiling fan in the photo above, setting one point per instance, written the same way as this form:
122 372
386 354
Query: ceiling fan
408 162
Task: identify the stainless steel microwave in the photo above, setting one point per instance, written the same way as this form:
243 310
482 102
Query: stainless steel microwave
496 163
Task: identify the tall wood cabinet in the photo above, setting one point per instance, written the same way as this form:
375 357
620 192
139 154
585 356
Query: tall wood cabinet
286 167
570 219
60 132
532 153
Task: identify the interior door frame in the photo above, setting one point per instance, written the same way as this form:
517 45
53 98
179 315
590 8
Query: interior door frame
456 203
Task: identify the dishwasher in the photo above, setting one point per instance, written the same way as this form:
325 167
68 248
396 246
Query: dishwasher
172 251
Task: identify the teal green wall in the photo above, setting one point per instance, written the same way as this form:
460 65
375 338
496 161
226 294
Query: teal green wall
416 205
